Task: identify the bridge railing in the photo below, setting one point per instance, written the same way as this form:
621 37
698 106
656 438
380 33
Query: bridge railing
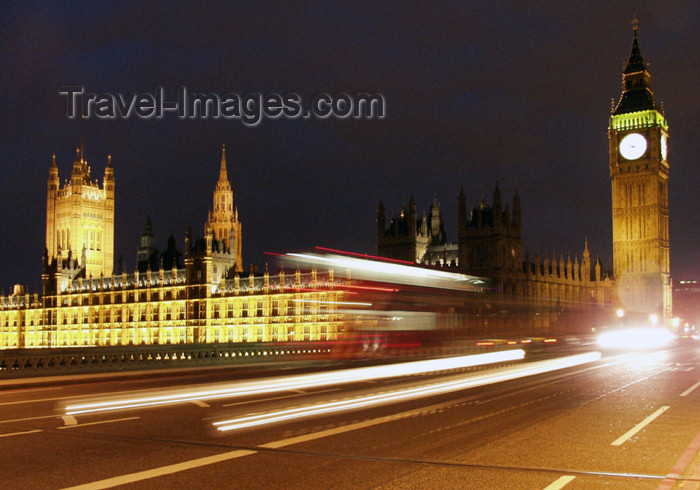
20 363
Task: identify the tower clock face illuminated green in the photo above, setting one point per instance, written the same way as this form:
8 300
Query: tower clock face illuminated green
664 147
633 146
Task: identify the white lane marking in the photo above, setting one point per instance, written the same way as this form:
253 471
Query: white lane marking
356 426
560 482
163 470
638 427
72 397
277 398
200 403
69 420
97 423
29 418
21 433
690 390
19 402
30 390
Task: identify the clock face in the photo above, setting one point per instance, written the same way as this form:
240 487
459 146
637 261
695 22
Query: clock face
664 147
633 146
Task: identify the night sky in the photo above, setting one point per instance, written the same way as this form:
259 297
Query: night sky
476 93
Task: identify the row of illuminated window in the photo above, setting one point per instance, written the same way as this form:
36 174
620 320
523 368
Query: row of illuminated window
110 315
275 307
158 312
117 298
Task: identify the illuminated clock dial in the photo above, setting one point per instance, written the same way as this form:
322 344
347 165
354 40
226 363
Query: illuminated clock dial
664 147
633 146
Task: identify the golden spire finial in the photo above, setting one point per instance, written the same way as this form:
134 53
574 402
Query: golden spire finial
222 171
635 23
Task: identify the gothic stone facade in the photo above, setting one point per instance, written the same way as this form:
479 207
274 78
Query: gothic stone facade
84 302
534 295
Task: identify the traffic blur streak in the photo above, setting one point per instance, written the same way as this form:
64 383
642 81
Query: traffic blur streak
247 388
468 381
390 271
392 308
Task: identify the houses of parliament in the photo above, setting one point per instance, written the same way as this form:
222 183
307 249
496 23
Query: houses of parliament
201 296
489 236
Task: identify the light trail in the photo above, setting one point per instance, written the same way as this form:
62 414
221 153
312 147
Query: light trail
287 383
397 273
504 374
351 303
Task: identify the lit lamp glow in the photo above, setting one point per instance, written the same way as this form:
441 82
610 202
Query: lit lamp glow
635 338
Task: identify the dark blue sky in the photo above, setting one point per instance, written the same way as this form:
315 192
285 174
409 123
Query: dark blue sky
476 93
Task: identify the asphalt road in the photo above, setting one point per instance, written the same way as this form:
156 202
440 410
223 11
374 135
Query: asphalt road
623 421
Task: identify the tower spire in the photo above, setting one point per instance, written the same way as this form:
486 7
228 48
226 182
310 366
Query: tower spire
636 60
223 175
636 82
223 218
82 138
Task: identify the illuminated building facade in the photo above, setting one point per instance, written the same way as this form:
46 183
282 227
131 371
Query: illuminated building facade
223 220
80 219
168 307
85 303
639 172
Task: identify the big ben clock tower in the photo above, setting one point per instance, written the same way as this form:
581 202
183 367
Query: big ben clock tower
639 171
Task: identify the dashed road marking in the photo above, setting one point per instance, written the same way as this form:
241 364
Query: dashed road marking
620 440
98 423
690 390
21 433
560 482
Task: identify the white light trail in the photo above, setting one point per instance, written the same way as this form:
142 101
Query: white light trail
392 272
351 303
286 383
504 374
